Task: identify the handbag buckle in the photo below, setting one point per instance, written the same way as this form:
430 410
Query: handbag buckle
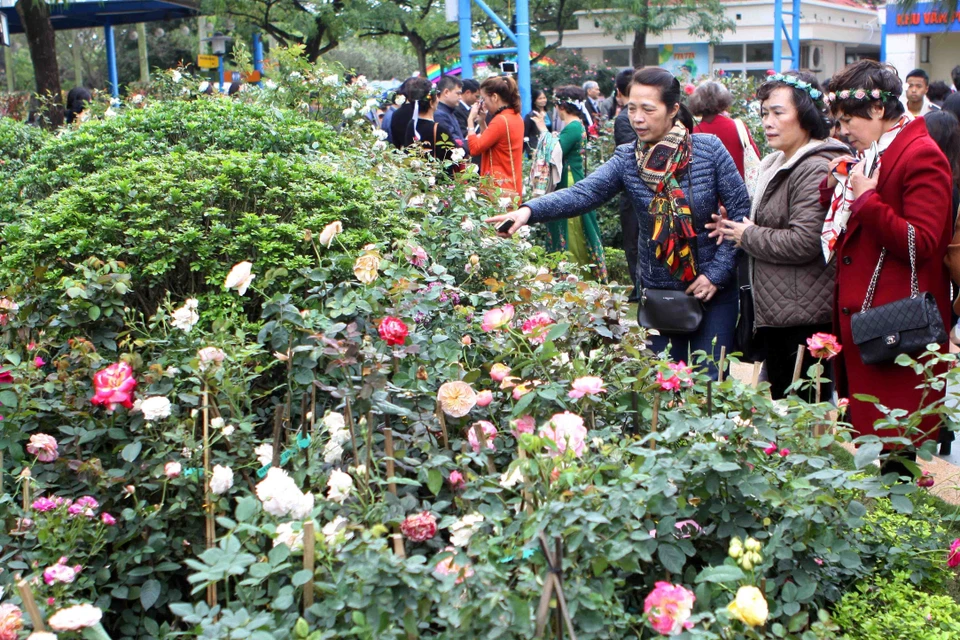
891 340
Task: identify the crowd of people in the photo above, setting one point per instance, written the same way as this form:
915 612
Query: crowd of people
846 228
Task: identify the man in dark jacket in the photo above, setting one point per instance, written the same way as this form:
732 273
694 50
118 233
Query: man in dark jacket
623 133
449 90
470 94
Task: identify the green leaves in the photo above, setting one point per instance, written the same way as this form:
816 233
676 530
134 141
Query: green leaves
720 574
866 454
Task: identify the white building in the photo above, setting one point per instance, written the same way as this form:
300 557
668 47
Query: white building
832 34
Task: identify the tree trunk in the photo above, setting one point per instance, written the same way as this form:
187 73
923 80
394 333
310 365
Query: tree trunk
8 62
41 38
142 51
639 52
77 59
420 48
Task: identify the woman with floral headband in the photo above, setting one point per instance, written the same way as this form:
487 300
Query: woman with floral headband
676 180
870 213
579 236
792 284
433 137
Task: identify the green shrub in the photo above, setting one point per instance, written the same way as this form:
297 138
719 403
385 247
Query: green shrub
881 609
617 269
161 128
18 142
181 220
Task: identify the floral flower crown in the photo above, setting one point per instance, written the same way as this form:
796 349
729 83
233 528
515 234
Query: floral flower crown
797 83
858 94
579 104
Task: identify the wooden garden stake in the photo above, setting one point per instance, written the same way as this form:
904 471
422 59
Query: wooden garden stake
755 380
388 444
443 427
636 411
710 398
25 477
26 596
655 418
798 366
482 440
348 418
208 500
553 585
309 553
723 360
525 492
398 547
1 472
277 431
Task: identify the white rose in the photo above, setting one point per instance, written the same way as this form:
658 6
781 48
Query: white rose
186 316
400 100
340 486
264 454
379 145
240 277
509 479
222 479
177 76
335 532
331 80
467 225
349 112
228 430
470 194
270 84
137 99
155 408
206 85
217 423
380 134
457 154
286 535
334 421
464 528
296 75
330 232
332 452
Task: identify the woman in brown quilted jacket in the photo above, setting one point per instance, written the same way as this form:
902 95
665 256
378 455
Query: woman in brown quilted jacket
792 284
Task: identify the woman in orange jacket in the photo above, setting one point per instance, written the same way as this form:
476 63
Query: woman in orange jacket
500 142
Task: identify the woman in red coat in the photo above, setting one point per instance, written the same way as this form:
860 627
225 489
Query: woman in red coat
500 143
911 184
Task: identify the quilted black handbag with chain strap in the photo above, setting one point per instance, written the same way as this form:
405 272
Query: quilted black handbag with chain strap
906 326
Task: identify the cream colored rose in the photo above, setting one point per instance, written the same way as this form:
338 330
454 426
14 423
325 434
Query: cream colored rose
330 232
456 398
366 267
749 607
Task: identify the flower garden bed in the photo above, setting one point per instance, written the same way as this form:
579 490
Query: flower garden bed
329 402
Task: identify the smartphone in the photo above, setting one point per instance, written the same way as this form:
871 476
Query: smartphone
504 226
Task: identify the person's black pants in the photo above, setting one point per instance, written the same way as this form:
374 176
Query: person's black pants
631 233
778 347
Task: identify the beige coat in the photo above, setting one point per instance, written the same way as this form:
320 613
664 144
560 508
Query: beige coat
791 284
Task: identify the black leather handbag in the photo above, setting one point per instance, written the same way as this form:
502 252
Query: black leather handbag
668 311
906 326
746 337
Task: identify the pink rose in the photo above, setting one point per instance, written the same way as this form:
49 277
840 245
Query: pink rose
114 385
43 446
689 89
497 318
587 385
860 94
499 371
60 572
419 527
823 345
44 504
668 608
772 449
39 362
107 519
926 480
784 453
953 559
418 256
172 469
680 375
875 94
524 424
489 433
484 398
393 331
448 567
844 94
456 480
535 327
566 431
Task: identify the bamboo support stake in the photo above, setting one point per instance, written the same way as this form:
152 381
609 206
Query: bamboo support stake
398 547
368 434
1 472
26 596
309 552
482 441
755 379
25 476
798 366
388 444
443 428
348 418
277 431
721 365
207 497
710 398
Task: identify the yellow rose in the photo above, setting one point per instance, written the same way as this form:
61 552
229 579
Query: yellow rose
749 607
366 267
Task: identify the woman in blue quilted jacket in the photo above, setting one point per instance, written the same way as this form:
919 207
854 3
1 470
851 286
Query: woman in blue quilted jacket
677 181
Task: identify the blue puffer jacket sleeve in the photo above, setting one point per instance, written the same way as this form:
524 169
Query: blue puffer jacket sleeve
586 195
732 193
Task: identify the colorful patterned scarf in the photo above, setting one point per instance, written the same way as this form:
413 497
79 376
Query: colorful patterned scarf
838 214
660 166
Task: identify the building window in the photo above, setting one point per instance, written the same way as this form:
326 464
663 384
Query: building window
727 53
616 57
925 50
760 52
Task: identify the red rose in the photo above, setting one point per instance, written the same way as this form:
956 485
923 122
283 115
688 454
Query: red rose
6 377
114 385
393 331
419 527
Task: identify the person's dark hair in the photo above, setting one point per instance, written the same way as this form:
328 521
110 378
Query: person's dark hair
534 96
402 89
421 90
566 96
952 104
955 76
471 85
944 128
669 88
812 114
919 73
506 88
77 98
867 75
826 84
348 78
448 82
234 88
623 80
938 91
709 99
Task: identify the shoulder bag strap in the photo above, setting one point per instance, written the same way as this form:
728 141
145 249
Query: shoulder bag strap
435 125
914 283
742 132
513 170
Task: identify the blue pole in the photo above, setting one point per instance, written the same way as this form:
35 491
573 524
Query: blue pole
257 53
111 45
497 20
502 51
466 35
220 73
523 53
883 42
777 35
795 37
